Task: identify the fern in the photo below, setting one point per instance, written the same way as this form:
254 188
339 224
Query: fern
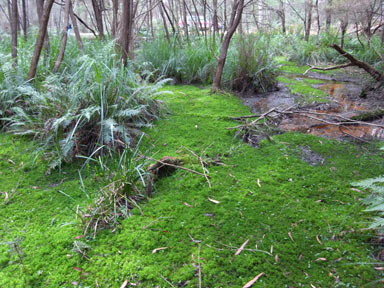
375 201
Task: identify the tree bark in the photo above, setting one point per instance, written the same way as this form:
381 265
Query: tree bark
99 18
75 27
308 19
124 30
237 12
343 28
14 23
164 23
184 11
377 75
115 14
25 21
281 14
40 39
64 36
328 16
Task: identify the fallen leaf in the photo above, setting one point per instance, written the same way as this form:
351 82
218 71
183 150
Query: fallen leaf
124 284
78 237
11 161
188 205
321 259
318 240
277 258
250 283
271 249
241 247
213 201
258 182
6 196
290 236
158 249
379 268
356 190
313 286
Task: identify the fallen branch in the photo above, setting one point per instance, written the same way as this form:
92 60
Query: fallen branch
328 68
377 75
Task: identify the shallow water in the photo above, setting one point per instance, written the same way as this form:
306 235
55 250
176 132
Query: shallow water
341 104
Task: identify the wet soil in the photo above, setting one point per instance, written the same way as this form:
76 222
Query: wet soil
344 101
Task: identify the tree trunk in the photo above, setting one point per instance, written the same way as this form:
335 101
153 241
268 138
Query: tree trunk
282 16
215 22
164 23
124 30
99 17
184 11
40 39
343 28
25 21
75 27
308 19
14 23
64 36
237 12
328 16
115 13
378 76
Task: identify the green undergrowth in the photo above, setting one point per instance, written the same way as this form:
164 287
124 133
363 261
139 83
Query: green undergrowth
307 217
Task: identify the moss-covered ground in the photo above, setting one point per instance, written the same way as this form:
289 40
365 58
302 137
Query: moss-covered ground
305 87
303 222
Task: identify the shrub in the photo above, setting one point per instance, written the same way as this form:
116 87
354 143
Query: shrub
95 107
250 65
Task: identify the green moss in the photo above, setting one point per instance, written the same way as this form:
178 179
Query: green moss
304 87
293 197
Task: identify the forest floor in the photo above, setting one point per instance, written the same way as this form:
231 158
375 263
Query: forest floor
301 222
337 95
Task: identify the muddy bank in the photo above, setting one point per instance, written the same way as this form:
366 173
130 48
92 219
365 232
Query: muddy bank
344 101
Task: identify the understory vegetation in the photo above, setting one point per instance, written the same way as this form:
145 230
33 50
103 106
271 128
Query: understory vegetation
81 208
304 223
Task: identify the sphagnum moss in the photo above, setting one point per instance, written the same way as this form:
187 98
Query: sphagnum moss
306 216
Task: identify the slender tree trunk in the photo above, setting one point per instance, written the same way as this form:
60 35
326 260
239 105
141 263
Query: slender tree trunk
25 22
164 23
75 27
215 22
343 28
184 11
115 14
308 22
318 18
99 17
14 23
237 12
40 9
124 30
40 39
328 16
282 16
64 36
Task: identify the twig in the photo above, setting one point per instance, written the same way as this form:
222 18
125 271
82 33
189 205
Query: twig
262 116
169 283
203 163
199 266
236 248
